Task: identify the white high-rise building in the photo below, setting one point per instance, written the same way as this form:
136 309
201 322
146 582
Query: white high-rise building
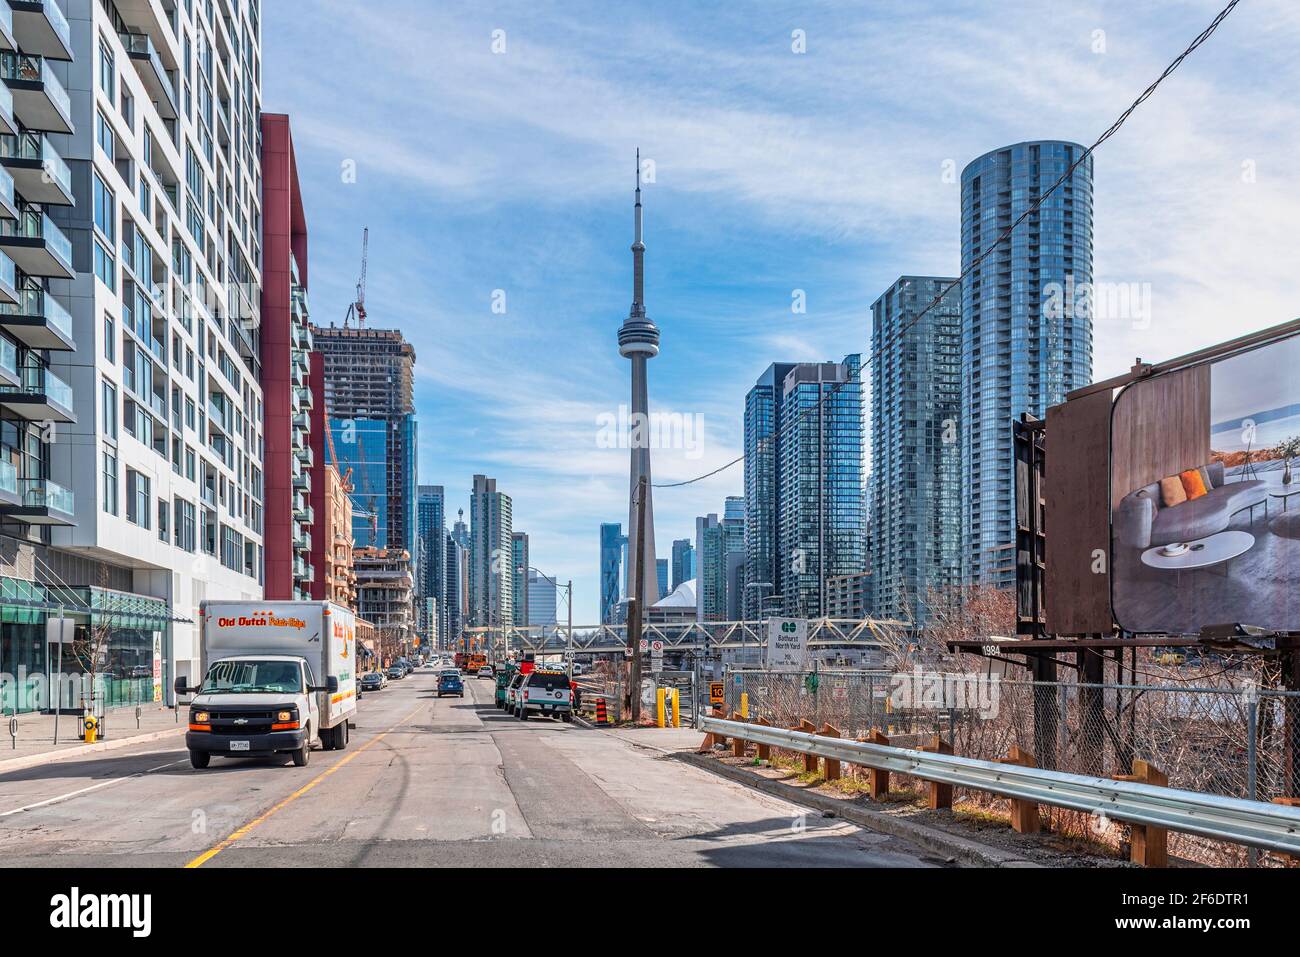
130 186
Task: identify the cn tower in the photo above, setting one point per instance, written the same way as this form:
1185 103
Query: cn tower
638 340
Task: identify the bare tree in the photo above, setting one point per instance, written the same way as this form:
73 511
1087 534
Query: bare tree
91 650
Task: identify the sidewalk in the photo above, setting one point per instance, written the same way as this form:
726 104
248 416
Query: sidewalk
667 740
36 735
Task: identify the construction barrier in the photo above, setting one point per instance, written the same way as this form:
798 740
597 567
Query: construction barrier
602 716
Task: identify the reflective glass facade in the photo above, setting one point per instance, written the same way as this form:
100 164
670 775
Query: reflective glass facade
916 514
819 461
612 545
362 446
1017 355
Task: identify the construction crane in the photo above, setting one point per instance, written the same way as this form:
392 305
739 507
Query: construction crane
357 308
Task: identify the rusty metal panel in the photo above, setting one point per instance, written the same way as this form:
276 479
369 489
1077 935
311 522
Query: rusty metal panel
1077 516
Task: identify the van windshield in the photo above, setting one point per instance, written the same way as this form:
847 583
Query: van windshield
253 677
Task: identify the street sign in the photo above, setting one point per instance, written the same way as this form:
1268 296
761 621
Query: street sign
787 644
717 692
656 656
645 645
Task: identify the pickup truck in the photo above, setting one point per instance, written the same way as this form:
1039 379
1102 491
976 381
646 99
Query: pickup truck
545 693
278 678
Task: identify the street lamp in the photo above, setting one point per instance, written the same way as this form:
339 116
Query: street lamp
761 602
568 600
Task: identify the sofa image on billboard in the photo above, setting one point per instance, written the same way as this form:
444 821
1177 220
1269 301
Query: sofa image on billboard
1204 529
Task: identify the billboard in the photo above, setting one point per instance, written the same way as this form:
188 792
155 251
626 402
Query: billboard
1205 495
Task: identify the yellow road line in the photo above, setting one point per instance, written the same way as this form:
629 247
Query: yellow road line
243 831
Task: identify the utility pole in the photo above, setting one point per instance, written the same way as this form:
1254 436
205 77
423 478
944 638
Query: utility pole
569 656
635 602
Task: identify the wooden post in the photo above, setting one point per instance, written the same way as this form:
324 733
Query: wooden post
764 750
1149 845
940 794
1024 814
809 760
1290 859
832 764
737 744
712 740
877 778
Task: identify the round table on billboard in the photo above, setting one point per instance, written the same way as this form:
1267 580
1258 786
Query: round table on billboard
1284 492
1213 549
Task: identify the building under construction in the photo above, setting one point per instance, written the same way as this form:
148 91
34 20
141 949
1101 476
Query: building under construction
370 402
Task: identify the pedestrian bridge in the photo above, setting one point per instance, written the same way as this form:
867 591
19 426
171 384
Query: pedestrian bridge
701 637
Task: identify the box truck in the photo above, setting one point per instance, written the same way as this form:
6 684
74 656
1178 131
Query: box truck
278 678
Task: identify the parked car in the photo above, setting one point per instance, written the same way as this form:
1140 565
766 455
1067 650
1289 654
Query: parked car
449 683
396 672
372 681
512 690
503 678
545 693
485 672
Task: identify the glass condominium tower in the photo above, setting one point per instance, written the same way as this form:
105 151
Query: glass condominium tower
1020 351
916 515
803 485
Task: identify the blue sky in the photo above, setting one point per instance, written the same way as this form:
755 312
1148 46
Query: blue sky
775 171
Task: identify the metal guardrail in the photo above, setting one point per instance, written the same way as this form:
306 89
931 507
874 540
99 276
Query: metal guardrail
1252 823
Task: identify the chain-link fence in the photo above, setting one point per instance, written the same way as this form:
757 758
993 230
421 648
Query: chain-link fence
1234 741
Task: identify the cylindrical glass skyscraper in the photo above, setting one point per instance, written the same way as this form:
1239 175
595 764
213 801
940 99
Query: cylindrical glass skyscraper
1026 326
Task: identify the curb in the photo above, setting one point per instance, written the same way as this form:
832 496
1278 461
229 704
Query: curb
935 840
68 754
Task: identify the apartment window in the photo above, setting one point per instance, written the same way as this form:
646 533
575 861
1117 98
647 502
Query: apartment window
138 499
104 134
110 482
105 266
185 532
105 210
110 338
146 197
189 464
110 410
127 105
163 514
107 68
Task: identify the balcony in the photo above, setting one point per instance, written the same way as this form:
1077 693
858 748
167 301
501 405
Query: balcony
39 502
7 41
8 124
41 28
304 398
153 74
36 245
142 16
305 456
9 483
39 396
40 101
9 374
38 320
39 173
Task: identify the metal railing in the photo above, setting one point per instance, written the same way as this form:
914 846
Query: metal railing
1251 823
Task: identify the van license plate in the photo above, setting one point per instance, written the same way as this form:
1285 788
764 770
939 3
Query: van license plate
238 745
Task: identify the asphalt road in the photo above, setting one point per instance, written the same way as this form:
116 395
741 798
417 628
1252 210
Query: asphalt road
424 782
